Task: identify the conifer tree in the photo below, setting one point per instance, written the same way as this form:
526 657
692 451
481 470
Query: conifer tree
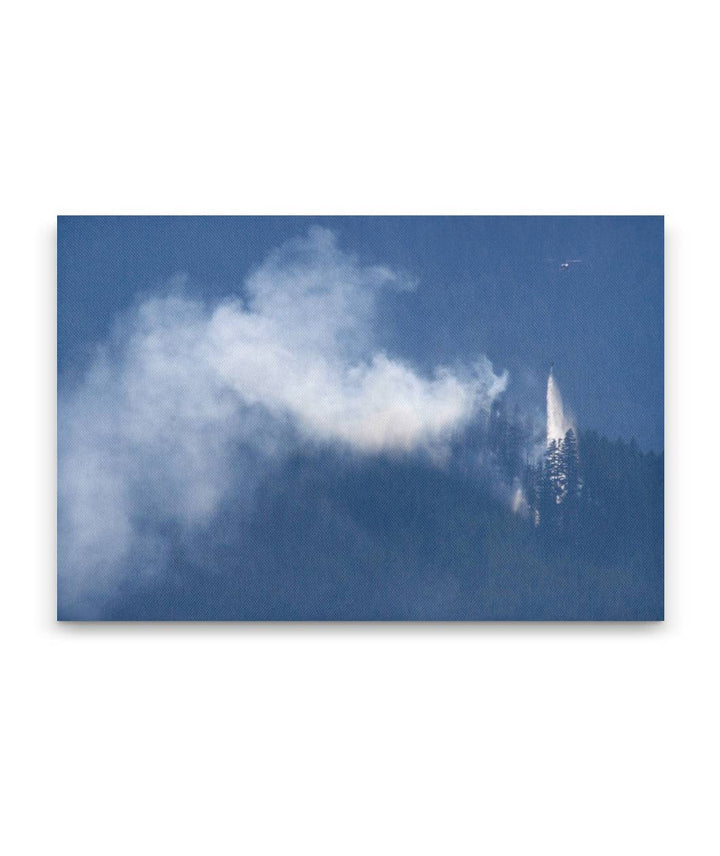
550 486
570 465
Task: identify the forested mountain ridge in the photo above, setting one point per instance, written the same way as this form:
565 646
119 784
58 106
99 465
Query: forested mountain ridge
403 537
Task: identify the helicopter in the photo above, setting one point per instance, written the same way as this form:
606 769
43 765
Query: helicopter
564 264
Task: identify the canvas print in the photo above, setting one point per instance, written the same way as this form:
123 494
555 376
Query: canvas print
360 418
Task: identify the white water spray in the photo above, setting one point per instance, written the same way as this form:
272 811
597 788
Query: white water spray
557 421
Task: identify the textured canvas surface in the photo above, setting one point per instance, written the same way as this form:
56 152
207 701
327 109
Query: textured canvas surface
360 418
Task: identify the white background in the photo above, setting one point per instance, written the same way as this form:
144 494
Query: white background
358 739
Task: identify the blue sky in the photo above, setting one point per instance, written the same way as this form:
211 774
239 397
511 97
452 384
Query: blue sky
484 285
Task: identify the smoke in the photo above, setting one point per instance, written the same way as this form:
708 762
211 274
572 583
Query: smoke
558 421
189 404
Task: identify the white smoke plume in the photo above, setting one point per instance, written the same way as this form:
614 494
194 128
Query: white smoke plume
188 403
558 421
